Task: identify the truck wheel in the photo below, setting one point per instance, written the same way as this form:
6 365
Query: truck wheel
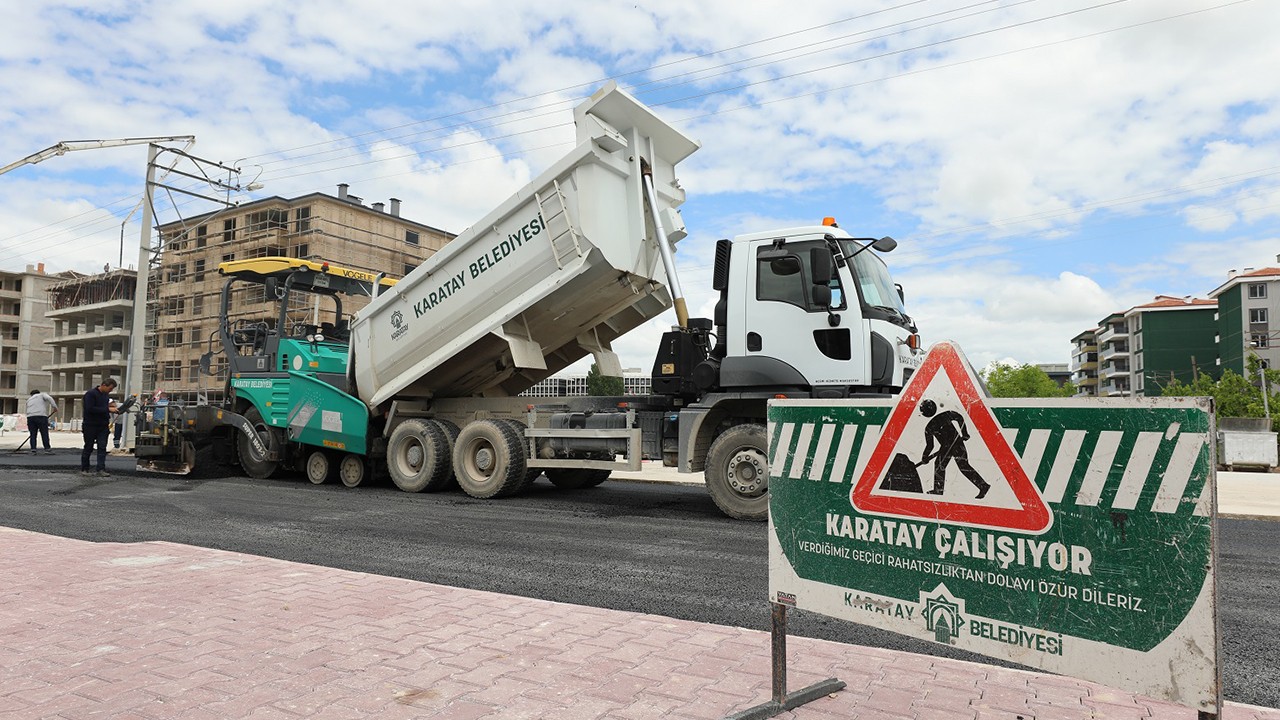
255 466
416 456
351 471
576 478
737 472
530 474
489 459
319 467
451 438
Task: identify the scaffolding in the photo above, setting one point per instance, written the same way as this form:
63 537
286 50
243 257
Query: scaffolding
81 289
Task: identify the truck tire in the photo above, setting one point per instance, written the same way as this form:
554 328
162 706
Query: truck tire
530 474
320 467
737 472
352 470
489 459
451 438
254 465
417 456
576 478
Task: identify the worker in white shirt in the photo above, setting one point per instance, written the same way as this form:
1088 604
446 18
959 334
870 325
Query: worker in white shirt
39 407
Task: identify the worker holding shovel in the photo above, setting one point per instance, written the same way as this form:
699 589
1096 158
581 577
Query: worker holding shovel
950 432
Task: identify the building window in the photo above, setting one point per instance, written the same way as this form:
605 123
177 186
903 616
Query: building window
197 334
175 306
1257 316
171 337
408 268
228 257
303 215
301 250
411 237
198 271
267 220
193 371
1258 340
228 230
197 305
1257 291
171 370
202 236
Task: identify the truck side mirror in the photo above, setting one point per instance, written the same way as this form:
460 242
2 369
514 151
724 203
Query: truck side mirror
820 265
822 296
901 296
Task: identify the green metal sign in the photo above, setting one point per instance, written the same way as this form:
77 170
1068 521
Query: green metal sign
1070 535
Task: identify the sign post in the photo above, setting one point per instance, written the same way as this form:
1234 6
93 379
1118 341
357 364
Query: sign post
782 701
1075 536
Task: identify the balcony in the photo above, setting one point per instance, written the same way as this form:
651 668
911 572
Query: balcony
1084 366
1111 371
1115 349
1114 389
1085 381
74 310
94 337
1090 347
100 363
1110 334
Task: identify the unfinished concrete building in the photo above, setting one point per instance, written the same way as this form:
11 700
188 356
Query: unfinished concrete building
339 229
23 331
92 316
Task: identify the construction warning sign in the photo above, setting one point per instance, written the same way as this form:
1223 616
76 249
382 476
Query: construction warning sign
1070 535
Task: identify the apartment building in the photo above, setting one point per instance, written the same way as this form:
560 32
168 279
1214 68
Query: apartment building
339 229
1173 338
1084 363
1113 356
92 317
23 331
1246 303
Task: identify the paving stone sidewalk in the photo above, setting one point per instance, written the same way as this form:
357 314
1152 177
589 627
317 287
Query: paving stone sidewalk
159 630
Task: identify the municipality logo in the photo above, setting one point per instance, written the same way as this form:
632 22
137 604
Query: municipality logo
943 615
397 322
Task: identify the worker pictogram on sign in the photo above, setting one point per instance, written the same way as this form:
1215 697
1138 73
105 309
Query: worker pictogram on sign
942 456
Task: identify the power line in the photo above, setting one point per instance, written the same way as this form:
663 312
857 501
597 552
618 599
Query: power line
805 95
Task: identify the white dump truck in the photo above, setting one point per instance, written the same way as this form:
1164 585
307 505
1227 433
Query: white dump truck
424 382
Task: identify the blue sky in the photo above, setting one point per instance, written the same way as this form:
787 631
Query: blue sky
1041 162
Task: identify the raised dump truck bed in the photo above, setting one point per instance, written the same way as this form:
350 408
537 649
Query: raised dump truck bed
559 270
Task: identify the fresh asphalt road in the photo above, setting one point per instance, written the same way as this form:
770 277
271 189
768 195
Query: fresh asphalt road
659 549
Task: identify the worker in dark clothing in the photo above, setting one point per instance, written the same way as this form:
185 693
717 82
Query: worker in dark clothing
98 409
948 429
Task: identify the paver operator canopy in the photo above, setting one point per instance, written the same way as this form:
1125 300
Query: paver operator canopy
280 277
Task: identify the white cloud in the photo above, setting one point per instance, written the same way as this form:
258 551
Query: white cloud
1030 182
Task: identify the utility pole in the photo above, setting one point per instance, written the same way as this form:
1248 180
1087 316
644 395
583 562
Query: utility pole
137 337
133 373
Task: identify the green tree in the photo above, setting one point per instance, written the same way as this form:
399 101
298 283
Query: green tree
598 384
1010 381
1234 395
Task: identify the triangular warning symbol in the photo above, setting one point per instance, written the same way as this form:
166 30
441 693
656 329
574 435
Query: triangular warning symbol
942 404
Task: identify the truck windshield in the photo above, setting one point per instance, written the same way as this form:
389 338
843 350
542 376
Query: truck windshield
872 278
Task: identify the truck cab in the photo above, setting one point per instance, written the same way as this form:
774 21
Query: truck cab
816 310
808 310
804 312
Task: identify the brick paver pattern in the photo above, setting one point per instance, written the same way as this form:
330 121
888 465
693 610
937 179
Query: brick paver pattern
157 630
